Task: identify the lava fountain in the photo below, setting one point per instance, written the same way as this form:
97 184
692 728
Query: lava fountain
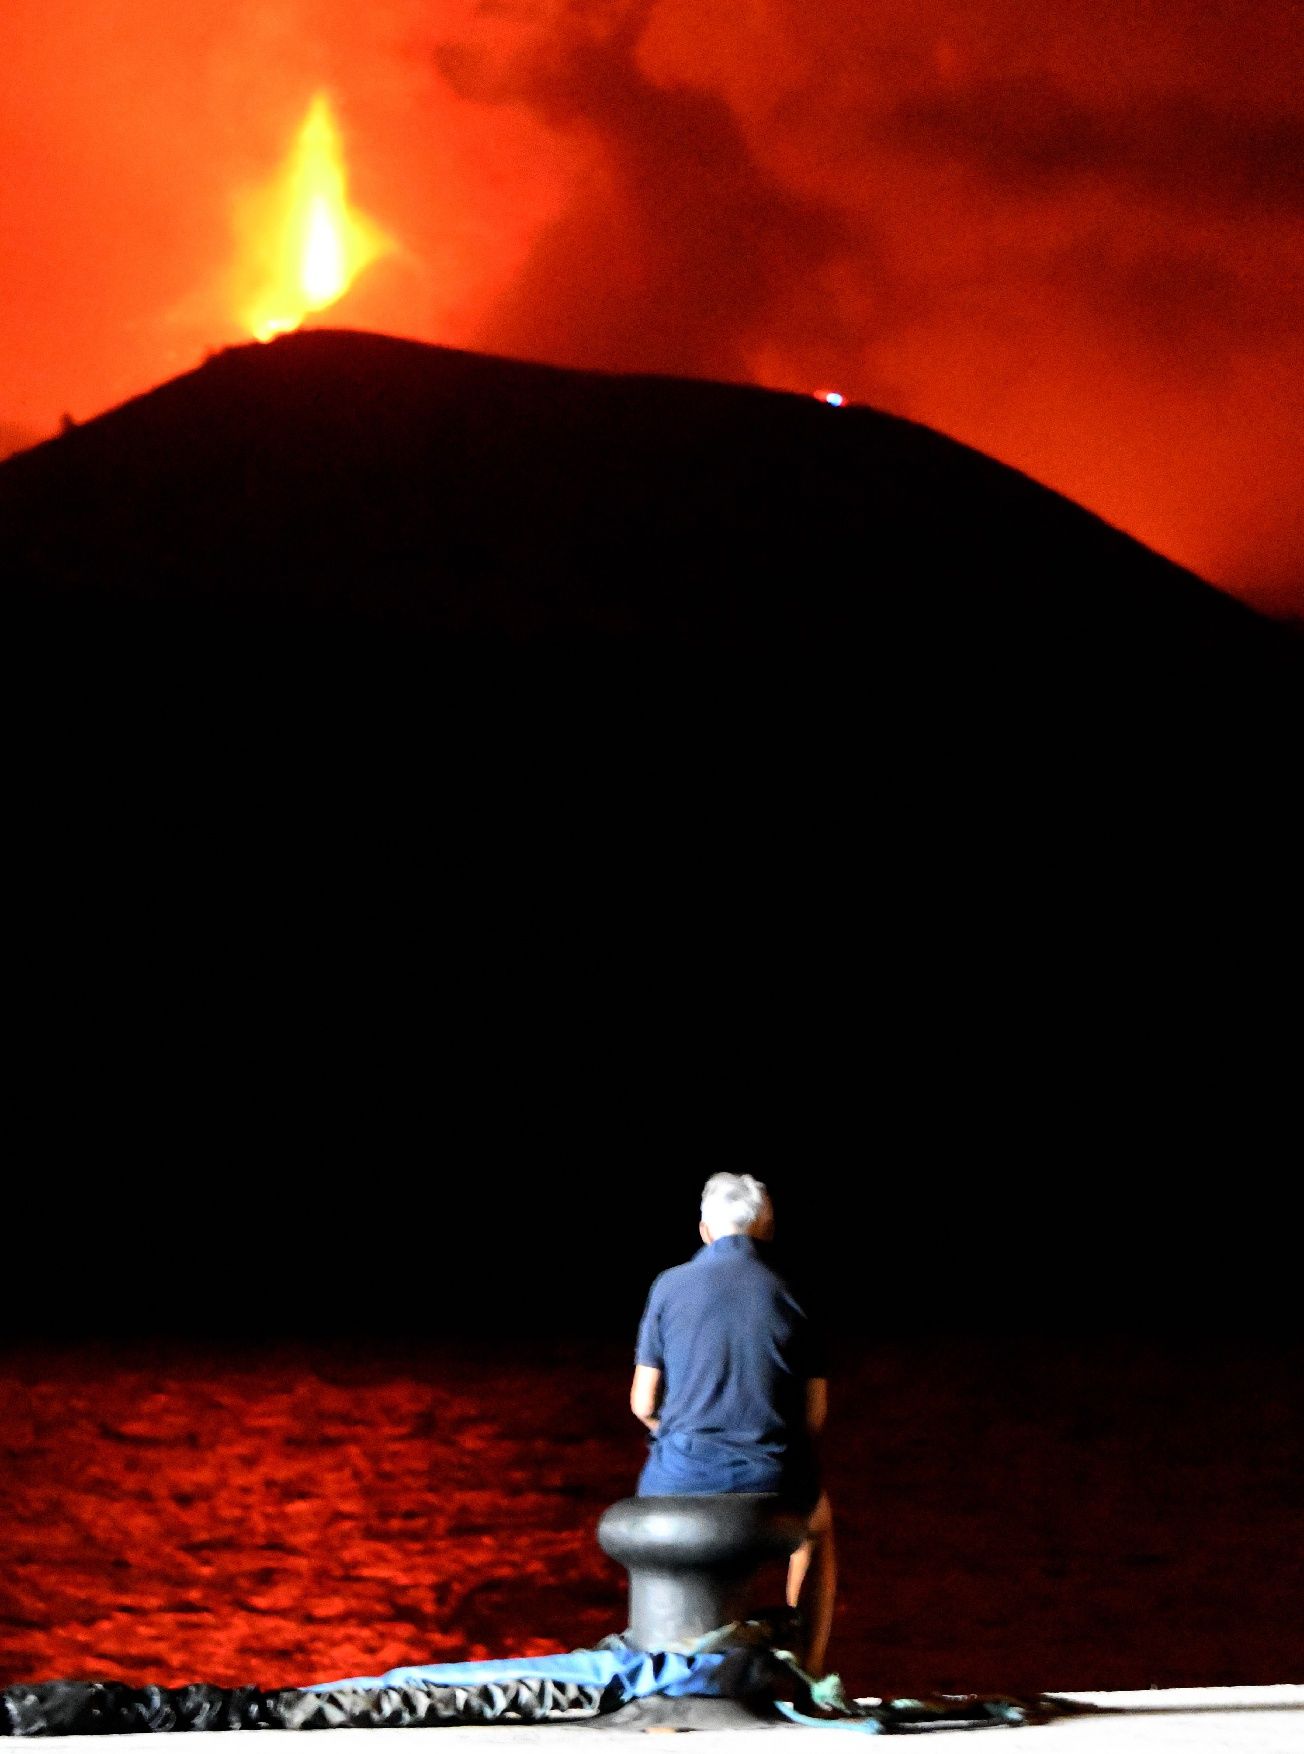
303 245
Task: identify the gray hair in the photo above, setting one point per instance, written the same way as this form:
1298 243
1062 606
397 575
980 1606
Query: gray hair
732 1202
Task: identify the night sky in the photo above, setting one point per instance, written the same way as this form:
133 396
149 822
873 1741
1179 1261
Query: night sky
333 1049
1070 238
492 1189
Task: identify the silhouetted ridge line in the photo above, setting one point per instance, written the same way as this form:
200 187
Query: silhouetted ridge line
365 496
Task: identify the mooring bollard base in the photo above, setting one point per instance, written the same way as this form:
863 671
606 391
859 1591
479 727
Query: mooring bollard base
657 1712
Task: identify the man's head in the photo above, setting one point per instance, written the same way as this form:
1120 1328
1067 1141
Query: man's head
736 1205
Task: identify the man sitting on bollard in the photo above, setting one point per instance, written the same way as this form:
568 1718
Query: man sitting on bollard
730 1381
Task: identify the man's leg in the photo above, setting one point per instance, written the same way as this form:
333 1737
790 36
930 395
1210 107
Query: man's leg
813 1583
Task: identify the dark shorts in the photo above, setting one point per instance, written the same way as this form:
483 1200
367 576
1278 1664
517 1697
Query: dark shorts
690 1465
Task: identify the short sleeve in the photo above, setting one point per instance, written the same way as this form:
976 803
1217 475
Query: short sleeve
650 1350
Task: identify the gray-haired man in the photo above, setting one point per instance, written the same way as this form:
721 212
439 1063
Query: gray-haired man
730 1380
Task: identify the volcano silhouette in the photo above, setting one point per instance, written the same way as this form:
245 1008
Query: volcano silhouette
387 706
355 493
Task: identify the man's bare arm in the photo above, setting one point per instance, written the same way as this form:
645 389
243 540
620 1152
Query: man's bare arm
817 1404
645 1394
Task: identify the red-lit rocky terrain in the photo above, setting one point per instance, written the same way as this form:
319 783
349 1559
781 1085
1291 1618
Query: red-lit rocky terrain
1018 1514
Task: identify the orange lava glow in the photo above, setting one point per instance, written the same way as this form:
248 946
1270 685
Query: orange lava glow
1070 241
303 245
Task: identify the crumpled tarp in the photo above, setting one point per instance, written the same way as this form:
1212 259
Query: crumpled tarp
619 1672
570 1684
733 1663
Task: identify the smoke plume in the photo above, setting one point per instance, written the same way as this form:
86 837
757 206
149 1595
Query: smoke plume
680 252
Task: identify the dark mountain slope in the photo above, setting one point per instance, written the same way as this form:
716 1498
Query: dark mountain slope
353 491
446 775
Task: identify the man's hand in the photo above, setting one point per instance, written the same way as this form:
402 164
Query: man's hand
645 1395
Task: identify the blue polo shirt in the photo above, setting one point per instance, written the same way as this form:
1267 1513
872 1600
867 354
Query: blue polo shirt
736 1351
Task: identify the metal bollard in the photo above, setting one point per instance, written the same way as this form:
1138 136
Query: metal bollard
692 1559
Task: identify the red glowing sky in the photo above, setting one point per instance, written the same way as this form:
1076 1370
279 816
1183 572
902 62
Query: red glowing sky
1069 235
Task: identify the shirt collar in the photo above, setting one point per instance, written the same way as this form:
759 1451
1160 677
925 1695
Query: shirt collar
729 1245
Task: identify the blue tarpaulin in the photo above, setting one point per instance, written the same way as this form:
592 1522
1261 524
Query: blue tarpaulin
622 1673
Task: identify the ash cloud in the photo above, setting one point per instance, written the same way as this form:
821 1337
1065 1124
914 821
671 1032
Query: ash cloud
1163 221
1179 148
681 251
1187 312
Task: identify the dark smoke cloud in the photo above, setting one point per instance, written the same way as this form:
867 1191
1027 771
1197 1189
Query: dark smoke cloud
1180 148
1153 316
1161 220
1187 312
681 251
